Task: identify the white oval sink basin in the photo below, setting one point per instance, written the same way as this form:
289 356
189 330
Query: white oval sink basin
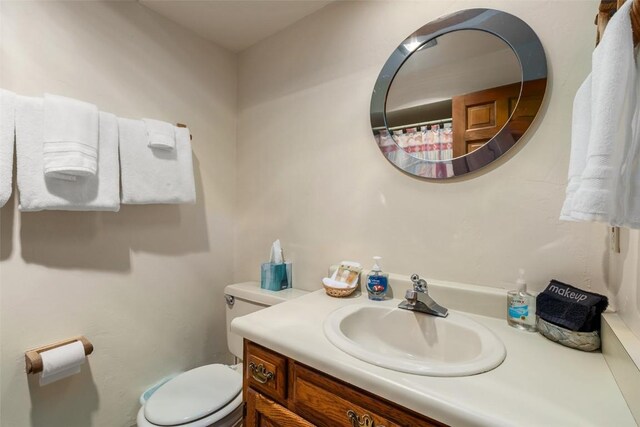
415 343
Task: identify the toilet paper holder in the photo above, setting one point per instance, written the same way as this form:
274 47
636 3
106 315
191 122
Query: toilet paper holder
33 359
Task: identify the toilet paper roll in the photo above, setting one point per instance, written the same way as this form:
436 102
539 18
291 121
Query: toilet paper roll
61 362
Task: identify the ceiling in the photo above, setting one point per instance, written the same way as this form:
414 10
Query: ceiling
235 24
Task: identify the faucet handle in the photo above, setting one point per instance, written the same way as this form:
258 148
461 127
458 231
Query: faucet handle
411 296
419 284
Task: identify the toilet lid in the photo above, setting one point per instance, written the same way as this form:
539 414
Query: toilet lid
193 395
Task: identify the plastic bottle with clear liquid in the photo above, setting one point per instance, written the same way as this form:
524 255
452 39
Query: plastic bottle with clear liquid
521 306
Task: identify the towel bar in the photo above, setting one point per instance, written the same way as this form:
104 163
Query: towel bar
635 21
33 359
182 125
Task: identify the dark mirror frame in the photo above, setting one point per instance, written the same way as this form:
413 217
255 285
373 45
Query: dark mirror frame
527 47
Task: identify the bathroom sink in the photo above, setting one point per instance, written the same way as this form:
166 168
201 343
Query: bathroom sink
415 343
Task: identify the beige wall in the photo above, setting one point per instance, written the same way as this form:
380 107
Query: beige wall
625 279
310 173
145 284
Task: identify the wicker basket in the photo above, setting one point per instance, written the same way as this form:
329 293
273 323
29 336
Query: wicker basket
585 341
339 292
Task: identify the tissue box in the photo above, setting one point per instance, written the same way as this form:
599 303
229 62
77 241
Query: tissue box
275 277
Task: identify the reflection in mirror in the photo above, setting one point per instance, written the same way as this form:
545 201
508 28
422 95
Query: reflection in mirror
436 79
458 93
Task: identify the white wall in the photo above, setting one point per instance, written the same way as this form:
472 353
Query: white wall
310 173
145 284
625 279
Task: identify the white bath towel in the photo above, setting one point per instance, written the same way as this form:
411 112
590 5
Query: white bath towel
70 138
7 134
580 130
154 176
160 135
612 104
627 212
99 192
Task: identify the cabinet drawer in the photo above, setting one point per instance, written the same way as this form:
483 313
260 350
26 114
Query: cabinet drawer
332 403
262 412
265 371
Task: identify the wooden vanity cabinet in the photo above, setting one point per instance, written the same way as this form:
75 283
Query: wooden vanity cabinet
281 392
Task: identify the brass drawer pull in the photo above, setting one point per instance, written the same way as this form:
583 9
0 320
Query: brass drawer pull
365 421
260 373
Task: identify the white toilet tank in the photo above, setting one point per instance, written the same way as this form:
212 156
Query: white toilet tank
247 297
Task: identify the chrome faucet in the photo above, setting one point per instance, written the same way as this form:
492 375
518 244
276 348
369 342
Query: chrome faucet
418 299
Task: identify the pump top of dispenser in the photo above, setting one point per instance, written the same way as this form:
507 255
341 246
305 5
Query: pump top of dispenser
376 263
521 284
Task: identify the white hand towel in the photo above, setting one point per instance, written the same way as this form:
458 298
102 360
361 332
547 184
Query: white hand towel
70 138
580 130
161 135
7 134
154 176
612 105
88 193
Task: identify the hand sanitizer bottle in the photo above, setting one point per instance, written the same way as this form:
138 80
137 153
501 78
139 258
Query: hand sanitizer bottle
377 281
521 306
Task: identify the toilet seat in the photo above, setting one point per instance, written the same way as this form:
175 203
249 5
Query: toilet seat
229 416
207 395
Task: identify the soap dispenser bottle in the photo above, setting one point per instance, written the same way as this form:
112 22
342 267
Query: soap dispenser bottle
377 281
521 306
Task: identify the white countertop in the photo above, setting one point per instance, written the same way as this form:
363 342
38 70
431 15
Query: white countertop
540 383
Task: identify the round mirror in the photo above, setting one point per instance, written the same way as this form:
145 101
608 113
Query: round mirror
458 93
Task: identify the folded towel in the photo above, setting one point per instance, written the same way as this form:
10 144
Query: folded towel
570 307
99 192
154 176
160 135
70 138
7 134
580 130
612 104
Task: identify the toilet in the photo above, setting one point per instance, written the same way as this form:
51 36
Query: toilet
210 395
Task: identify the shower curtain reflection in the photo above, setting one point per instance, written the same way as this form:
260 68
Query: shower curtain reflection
433 143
